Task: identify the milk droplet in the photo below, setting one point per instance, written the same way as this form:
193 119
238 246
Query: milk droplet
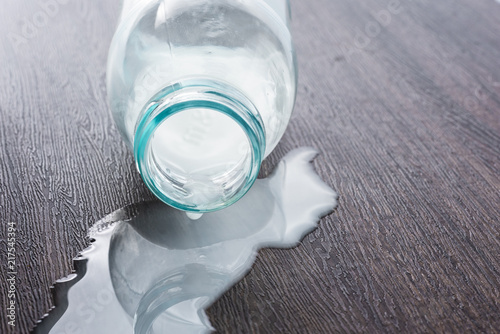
194 215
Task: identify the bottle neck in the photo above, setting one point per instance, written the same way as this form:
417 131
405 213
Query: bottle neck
199 144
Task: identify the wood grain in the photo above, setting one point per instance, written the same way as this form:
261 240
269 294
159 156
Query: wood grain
405 112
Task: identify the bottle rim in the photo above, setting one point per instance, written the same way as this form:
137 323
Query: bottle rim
192 94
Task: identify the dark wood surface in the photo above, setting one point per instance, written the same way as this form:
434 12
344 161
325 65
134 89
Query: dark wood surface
406 114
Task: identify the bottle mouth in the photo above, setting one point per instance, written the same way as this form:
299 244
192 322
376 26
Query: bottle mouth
199 145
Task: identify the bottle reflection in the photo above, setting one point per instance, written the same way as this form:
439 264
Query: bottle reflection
164 264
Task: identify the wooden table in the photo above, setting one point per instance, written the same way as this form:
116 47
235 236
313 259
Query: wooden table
401 98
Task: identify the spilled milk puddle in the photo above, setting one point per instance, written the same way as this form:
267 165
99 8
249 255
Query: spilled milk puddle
151 269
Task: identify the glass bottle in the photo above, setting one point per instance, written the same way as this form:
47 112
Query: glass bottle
201 91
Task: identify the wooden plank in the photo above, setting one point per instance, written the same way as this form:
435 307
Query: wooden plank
405 112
